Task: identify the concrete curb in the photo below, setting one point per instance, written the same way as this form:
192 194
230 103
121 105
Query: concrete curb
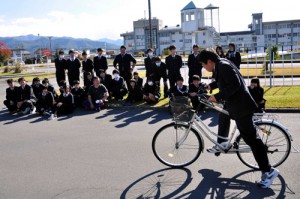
268 110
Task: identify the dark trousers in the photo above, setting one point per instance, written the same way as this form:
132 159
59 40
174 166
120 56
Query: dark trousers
72 78
172 80
224 126
85 77
10 107
64 109
119 94
248 133
165 87
127 77
60 76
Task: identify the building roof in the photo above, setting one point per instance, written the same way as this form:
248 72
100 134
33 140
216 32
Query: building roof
285 21
127 34
211 7
171 28
237 33
189 6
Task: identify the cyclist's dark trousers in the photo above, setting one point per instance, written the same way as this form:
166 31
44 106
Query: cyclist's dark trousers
224 126
248 133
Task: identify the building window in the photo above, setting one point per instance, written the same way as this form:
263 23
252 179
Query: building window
187 41
181 40
187 17
203 33
139 36
204 42
192 17
173 41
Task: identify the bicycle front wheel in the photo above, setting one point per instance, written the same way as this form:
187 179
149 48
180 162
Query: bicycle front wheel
276 141
176 146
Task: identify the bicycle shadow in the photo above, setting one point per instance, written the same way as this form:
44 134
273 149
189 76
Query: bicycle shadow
211 116
242 185
129 116
164 183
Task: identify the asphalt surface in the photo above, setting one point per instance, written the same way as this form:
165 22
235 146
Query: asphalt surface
108 155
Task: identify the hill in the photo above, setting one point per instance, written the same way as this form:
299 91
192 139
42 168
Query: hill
33 42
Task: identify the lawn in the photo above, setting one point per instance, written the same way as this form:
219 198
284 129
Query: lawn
282 97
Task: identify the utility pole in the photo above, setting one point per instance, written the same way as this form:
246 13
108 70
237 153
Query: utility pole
50 42
150 23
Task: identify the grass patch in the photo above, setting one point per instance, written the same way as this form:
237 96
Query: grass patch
282 97
259 72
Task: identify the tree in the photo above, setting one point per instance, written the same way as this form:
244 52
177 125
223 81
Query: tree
4 52
274 51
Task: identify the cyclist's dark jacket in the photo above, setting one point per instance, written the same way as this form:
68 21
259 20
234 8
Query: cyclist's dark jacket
232 89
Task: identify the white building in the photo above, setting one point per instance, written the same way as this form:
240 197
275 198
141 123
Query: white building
285 34
195 28
192 30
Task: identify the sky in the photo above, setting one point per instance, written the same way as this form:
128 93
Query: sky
95 19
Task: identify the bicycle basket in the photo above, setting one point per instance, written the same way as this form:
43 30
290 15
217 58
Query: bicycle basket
181 108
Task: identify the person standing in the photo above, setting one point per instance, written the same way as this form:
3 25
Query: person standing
241 106
123 62
174 63
195 67
87 67
233 55
100 62
148 62
60 66
73 66
220 52
160 72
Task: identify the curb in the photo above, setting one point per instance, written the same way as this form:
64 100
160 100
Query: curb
268 110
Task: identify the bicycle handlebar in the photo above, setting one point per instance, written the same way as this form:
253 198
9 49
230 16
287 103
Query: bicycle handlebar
203 98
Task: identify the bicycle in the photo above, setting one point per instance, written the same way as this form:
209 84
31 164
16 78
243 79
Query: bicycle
181 142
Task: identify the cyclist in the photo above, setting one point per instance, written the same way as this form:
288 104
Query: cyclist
241 106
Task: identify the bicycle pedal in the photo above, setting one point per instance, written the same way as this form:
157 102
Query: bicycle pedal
217 154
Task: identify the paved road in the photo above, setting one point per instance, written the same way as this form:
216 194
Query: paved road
108 155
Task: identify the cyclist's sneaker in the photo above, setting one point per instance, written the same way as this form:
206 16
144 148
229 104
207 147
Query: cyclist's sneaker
214 149
267 178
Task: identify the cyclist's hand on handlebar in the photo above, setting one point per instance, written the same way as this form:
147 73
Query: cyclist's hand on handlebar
212 99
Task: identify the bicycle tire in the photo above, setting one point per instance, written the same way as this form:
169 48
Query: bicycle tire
276 135
170 155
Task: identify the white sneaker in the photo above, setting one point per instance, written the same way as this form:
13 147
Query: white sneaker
216 149
26 111
267 178
33 111
52 117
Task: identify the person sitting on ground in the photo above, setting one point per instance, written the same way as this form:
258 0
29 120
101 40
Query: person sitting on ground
138 80
62 85
106 79
135 93
179 89
78 94
11 96
118 87
257 93
151 92
46 102
159 69
97 95
65 104
36 86
195 88
50 88
25 97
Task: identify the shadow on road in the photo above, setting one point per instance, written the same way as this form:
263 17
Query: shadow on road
128 116
171 183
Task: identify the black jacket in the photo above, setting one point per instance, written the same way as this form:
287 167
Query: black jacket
87 66
195 67
154 90
25 94
184 91
73 67
124 62
68 99
149 65
134 94
100 63
235 57
107 81
257 94
232 89
174 65
60 66
37 89
46 101
116 86
159 72
12 94
139 82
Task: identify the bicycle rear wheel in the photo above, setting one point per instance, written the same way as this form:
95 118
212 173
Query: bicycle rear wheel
174 146
276 141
